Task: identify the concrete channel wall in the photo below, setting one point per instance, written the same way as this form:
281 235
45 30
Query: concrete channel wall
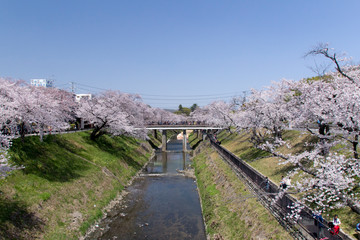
305 228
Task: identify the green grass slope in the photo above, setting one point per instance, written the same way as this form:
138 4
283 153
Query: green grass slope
67 181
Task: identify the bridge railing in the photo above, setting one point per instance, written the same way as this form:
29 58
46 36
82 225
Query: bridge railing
306 223
177 123
180 125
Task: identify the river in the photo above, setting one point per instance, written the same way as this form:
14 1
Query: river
160 204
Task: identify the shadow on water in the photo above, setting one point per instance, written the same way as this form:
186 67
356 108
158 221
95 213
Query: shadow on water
16 221
49 159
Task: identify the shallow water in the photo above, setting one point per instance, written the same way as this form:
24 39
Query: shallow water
161 204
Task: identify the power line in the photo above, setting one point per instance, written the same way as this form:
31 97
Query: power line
85 89
103 89
65 84
177 96
186 99
161 101
198 95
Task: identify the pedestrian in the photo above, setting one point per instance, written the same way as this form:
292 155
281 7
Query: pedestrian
267 184
318 221
336 221
288 182
283 183
335 225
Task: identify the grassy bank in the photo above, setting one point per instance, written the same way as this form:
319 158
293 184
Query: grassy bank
67 181
269 166
230 210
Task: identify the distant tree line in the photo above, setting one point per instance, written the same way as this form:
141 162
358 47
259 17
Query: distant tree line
186 111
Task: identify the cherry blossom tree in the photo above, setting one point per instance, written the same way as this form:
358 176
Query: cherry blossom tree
218 113
5 167
7 123
342 95
324 50
327 179
266 113
162 116
113 112
334 103
41 107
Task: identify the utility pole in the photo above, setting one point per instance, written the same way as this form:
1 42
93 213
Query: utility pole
72 87
244 96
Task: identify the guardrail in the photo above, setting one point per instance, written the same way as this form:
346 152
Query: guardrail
182 127
306 227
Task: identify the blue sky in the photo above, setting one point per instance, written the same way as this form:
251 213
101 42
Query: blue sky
171 52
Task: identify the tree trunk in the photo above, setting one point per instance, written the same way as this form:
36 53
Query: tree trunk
94 133
97 132
323 131
355 144
41 132
22 131
350 203
277 133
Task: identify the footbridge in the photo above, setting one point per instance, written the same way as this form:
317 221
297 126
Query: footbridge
203 129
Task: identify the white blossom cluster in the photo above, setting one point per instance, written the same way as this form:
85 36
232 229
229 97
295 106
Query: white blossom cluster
295 211
5 143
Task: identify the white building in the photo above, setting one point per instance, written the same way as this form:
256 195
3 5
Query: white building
78 97
42 82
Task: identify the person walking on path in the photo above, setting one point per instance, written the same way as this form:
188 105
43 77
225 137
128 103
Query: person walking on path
282 183
267 184
318 221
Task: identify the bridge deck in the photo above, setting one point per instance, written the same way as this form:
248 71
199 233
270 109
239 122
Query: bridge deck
181 127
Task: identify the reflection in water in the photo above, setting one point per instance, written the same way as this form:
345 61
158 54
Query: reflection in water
160 206
184 159
164 161
168 162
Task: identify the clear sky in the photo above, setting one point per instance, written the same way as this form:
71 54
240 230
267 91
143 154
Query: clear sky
171 52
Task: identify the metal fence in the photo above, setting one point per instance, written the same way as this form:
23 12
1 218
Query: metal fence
306 227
